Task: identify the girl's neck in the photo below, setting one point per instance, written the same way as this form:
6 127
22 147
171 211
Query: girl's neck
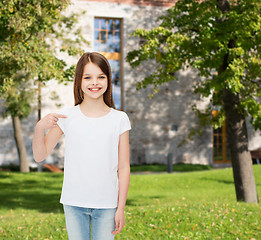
94 106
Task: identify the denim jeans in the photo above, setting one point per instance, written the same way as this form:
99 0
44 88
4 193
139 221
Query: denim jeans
89 223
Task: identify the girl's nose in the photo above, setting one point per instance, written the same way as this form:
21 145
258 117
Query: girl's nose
94 81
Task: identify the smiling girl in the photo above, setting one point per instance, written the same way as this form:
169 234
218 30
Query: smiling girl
96 160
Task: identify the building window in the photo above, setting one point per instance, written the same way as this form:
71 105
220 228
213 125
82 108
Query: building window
107 41
221 151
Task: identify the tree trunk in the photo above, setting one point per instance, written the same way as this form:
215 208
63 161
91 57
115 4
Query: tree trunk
240 156
39 101
24 166
237 132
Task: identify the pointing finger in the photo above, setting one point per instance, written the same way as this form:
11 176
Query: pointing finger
60 115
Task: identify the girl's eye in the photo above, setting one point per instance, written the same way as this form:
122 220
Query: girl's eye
100 77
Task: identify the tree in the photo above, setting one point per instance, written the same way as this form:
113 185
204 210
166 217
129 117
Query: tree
221 39
30 32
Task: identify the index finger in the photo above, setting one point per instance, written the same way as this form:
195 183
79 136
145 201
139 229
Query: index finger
60 115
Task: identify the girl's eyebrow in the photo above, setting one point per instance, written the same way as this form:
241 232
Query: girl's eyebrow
90 74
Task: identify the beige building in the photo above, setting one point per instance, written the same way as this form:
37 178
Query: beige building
158 124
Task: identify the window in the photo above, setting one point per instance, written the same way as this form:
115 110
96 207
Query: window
221 151
107 41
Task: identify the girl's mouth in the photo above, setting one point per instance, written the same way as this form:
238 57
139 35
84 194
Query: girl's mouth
96 89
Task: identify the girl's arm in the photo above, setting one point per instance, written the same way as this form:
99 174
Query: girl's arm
124 180
43 145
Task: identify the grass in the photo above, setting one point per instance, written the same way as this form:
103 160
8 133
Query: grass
191 205
179 167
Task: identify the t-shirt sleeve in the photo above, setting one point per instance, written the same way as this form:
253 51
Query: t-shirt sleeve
62 121
125 123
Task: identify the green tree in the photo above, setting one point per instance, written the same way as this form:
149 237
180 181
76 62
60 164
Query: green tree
221 39
31 31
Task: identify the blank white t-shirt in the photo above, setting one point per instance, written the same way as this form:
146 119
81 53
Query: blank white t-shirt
91 157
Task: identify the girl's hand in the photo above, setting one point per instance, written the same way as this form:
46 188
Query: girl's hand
50 121
119 221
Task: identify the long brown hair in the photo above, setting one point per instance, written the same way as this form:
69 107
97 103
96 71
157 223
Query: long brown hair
103 64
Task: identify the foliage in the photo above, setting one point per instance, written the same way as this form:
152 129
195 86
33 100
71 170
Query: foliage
200 35
31 32
195 205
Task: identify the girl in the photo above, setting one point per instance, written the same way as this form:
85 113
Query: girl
96 161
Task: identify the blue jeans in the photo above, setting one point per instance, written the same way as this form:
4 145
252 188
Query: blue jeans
89 223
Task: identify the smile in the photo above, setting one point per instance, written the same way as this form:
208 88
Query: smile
94 89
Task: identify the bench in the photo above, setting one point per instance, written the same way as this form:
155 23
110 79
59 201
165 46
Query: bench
256 154
52 168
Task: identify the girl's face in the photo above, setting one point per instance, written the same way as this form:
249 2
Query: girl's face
94 82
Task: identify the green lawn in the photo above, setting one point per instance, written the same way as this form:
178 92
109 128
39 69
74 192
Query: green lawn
179 167
191 205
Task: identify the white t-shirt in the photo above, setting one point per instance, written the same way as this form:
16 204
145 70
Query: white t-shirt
91 157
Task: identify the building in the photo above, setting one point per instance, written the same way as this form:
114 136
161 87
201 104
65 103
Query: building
158 124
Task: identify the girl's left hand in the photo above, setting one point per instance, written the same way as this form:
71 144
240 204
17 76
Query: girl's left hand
119 221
